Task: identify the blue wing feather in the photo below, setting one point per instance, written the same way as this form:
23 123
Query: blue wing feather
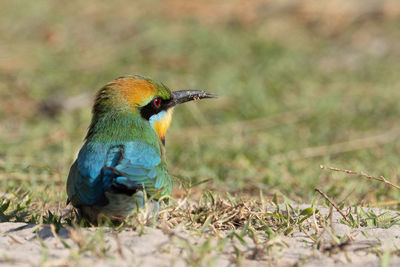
142 165
132 165
85 182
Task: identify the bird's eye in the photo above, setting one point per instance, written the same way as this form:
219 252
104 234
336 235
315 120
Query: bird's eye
157 102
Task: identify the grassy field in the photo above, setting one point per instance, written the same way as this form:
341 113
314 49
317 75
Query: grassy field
300 85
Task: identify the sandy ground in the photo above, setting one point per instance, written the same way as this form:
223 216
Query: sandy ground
32 245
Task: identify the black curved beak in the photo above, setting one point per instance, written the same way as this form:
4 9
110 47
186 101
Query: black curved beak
183 96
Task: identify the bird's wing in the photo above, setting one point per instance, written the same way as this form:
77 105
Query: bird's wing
85 184
140 167
125 168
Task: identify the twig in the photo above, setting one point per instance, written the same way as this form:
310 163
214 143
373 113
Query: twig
319 238
15 239
331 219
54 232
333 204
380 179
119 247
307 234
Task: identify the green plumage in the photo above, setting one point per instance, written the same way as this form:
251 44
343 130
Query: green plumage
122 161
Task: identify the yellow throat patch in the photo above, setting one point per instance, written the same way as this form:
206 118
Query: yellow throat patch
161 121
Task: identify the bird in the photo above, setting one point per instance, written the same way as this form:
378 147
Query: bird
122 163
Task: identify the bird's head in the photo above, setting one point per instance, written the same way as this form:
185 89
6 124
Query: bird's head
152 101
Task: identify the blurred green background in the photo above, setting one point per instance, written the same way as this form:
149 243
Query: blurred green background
301 83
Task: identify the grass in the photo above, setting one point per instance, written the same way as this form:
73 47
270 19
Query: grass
296 91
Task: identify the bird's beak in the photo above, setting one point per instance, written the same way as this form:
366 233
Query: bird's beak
183 96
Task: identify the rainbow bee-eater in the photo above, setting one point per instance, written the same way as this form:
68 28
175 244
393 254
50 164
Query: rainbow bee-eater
122 162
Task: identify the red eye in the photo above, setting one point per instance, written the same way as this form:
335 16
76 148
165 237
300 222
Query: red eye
157 102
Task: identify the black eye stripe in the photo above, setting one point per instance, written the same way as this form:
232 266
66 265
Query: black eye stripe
150 109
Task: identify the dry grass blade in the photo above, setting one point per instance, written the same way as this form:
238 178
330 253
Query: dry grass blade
380 179
119 245
385 203
219 214
333 204
54 232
